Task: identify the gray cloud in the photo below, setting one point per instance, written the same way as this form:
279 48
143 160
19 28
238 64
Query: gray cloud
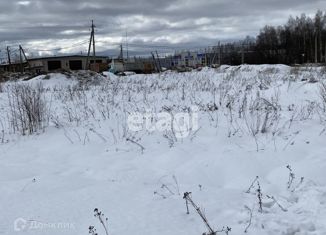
49 24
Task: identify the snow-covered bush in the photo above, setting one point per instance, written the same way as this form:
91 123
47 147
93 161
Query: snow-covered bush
27 108
322 92
103 220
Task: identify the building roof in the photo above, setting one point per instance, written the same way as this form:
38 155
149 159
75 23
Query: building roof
65 56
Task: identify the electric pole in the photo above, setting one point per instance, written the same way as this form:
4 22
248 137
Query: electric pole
159 62
154 61
219 53
91 41
121 53
215 52
127 46
205 57
93 30
23 52
9 60
21 61
242 54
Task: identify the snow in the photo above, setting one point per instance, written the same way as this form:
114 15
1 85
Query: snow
83 160
52 80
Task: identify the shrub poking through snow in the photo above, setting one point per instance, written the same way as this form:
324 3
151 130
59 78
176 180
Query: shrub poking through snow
164 186
28 110
176 184
260 197
159 194
142 148
291 176
250 219
103 220
277 203
252 184
256 184
168 189
298 185
226 230
322 92
187 197
92 230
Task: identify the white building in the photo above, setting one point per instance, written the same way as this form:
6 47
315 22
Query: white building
189 59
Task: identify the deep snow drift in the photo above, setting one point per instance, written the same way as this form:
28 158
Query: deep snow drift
252 121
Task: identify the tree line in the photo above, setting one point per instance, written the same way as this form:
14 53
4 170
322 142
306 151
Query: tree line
301 40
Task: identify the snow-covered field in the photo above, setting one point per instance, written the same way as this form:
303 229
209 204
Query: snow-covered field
252 121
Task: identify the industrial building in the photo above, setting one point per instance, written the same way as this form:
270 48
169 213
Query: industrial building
72 62
138 65
154 64
189 59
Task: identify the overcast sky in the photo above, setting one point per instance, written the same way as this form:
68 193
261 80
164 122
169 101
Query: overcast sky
51 24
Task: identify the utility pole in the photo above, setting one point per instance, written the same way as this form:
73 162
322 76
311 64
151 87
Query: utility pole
91 41
215 53
159 61
242 54
121 52
154 61
23 52
21 61
9 60
127 45
171 61
219 53
205 57
93 30
89 50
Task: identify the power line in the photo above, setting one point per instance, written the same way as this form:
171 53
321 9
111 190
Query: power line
62 48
